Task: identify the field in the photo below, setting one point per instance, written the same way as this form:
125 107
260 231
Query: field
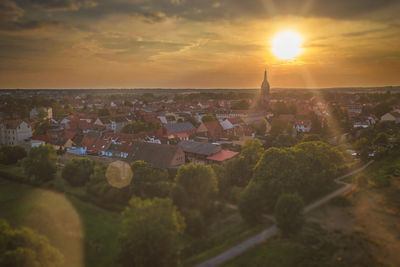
84 233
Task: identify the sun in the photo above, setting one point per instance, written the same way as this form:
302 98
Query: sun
287 45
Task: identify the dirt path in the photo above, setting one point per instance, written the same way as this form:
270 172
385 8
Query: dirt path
240 248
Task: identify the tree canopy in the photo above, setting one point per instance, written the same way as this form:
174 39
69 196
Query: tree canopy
196 185
77 171
41 163
289 213
11 154
139 126
149 182
252 150
208 117
307 169
24 247
151 233
99 187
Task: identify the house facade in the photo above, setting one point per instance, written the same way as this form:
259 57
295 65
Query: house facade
14 132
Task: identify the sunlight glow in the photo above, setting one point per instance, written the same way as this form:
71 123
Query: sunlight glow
287 45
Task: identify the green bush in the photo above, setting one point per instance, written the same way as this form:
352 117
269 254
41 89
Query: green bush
11 154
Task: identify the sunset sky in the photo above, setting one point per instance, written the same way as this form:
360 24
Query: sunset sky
196 43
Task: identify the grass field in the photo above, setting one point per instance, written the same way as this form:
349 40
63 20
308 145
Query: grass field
283 254
84 233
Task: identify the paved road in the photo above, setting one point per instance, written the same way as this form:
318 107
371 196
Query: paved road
252 241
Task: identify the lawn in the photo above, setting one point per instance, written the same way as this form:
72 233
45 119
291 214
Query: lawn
276 253
85 234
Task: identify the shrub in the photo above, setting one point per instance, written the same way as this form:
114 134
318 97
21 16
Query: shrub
11 154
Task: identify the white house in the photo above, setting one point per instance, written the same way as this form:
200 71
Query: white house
14 132
393 116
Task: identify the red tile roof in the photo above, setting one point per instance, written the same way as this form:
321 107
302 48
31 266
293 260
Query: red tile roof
222 155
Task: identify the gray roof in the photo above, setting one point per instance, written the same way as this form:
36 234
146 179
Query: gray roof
200 148
179 127
114 148
156 155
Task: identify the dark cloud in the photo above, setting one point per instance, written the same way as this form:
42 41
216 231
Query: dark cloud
230 9
12 18
57 5
151 17
14 14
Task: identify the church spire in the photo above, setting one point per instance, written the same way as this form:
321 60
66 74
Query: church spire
265 88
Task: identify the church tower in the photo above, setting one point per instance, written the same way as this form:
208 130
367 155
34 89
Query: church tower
265 89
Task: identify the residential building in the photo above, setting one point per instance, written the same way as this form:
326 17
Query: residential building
14 132
160 156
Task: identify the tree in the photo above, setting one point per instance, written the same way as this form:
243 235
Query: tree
151 233
149 182
238 172
24 247
42 114
307 169
78 170
41 128
196 186
280 108
252 150
289 213
362 146
221 174
139 126
41 163
381 139
251 204
277 127
11 154
310 138
316 124
99 187
382 108
260 127
208 117
276 172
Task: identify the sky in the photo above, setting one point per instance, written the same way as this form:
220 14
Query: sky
197 43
